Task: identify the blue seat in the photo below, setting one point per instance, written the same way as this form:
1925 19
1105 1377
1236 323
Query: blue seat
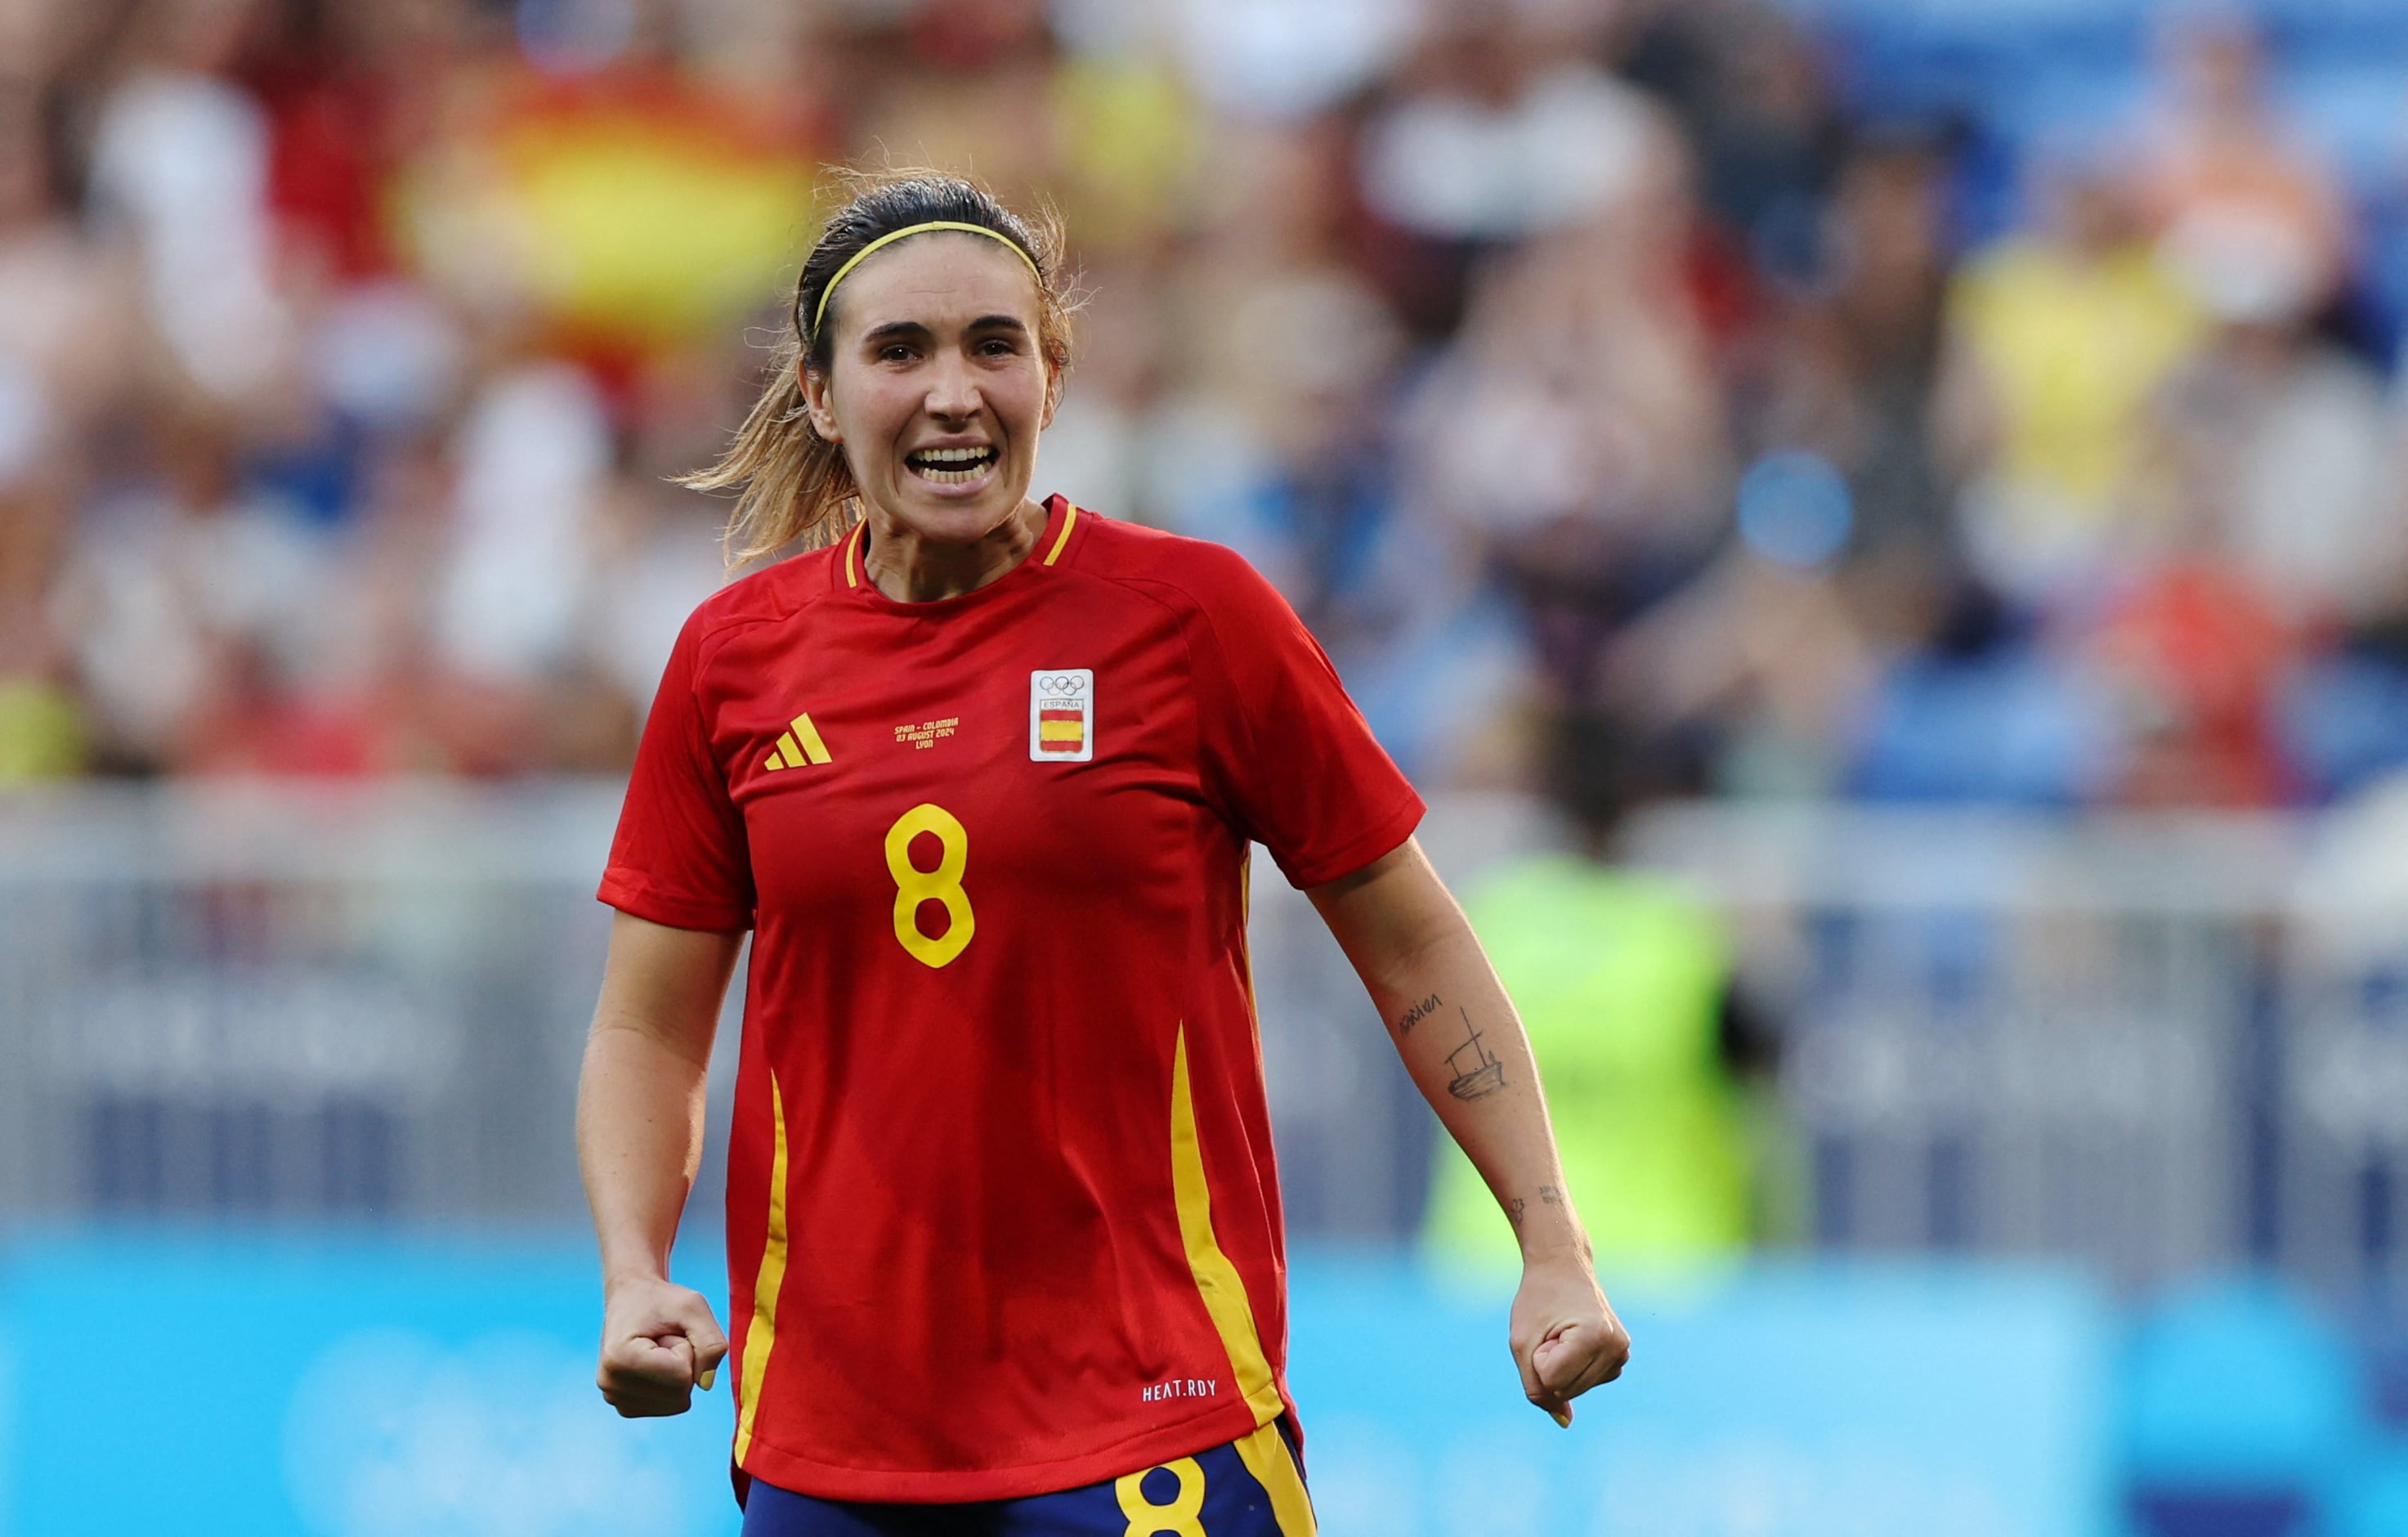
2376 1503
2160 1512
2245 1413
2317 24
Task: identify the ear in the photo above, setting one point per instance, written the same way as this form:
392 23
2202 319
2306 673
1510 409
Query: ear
821 404
1054 381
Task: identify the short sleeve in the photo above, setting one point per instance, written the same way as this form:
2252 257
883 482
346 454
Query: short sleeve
680 857
1284 750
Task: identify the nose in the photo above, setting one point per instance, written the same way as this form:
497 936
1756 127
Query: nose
953 389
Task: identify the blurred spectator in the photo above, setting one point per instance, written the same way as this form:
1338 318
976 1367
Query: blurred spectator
1271 60
1097 452
64 347
1855 346
2271 485
654 550
2216 156
180 158
960 83
1489 134
329 133
1623 984
1285 359
2059 338
1130 142
2275 444
534 465
1573 435
534 454
2194 651
1542 351
42 733
67 301
1744 80
1764 654
185 578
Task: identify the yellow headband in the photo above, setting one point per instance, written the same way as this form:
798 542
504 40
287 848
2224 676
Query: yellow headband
865 253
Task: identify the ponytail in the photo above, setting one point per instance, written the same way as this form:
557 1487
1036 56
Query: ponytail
793 487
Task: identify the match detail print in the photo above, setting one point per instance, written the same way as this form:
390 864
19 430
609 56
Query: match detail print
1061 715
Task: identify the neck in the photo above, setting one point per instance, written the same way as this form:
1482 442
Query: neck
911 568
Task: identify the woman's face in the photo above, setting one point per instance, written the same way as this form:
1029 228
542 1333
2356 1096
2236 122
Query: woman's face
935 387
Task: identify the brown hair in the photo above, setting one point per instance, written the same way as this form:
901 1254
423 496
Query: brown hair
793 486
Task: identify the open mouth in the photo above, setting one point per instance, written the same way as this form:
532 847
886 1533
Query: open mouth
951 465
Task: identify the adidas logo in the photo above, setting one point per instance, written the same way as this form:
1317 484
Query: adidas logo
798 745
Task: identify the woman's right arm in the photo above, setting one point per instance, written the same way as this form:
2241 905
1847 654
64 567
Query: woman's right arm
639 1141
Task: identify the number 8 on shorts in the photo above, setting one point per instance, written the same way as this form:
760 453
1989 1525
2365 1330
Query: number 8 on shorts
1181 1517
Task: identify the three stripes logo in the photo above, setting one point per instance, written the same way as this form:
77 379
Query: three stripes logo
1061 715
798 745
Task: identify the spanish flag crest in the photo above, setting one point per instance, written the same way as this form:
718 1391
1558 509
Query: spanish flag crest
1061 715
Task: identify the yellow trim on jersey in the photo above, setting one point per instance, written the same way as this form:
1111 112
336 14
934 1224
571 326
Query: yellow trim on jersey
1266 1452
851 540
1265 1456
763 1336
1069 517
1216 1278
809 735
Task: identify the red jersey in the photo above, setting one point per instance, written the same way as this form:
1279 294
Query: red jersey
1002 1215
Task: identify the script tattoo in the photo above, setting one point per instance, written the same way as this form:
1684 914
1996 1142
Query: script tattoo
1415 1014
1515 1216
1477 1073
1551 1196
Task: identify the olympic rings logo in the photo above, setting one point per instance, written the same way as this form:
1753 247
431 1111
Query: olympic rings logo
1061 682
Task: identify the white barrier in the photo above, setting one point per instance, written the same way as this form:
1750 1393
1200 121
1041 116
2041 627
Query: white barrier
2156 1044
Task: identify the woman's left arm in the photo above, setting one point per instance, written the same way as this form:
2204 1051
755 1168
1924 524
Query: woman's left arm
1463 1045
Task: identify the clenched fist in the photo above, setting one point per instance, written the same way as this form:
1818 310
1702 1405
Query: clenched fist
1564 1334
659 1343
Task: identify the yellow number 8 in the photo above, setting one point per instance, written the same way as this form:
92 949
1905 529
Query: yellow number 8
1181 1517
914 886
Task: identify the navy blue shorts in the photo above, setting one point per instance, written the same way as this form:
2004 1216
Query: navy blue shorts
1247 1489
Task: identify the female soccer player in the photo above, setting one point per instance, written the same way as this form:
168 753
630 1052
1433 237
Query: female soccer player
981 773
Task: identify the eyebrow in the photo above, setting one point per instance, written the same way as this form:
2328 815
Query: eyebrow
909 330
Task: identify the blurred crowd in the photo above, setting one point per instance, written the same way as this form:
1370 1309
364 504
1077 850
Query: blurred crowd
1613 355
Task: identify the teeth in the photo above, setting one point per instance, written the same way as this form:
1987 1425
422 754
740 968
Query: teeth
961 465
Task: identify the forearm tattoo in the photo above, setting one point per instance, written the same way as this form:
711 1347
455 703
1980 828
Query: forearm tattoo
1517 1208
1478 1073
